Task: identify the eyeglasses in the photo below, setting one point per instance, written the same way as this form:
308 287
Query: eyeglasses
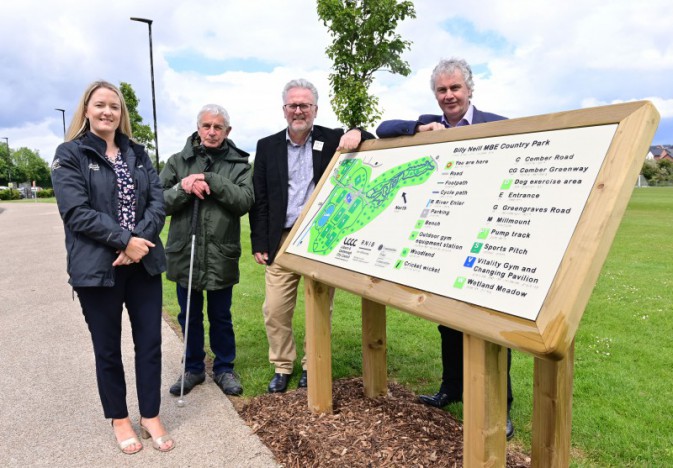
301 107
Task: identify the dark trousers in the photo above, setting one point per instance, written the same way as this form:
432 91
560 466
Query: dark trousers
102 309
222 339
452 365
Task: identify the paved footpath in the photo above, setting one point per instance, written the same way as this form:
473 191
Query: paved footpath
50 414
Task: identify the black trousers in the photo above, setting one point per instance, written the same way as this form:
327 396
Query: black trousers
452 365
102 308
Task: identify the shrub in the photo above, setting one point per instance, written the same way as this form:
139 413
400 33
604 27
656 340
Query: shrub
45 193
9 194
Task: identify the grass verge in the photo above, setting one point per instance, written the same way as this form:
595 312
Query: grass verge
622 413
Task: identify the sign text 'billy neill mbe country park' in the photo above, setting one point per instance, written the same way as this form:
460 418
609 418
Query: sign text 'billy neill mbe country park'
482 216
471 221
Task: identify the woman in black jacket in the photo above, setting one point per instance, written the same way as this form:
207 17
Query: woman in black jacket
111 202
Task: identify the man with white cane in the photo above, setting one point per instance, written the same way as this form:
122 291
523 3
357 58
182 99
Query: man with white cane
209 182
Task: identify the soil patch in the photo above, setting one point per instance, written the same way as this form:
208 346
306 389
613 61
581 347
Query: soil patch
395 430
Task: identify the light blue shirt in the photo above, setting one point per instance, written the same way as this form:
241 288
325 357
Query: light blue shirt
300 177
466 120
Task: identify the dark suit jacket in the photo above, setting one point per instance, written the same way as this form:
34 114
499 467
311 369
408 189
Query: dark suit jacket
393 128
270 180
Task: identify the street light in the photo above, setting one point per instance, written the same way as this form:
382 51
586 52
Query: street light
62 115
154 104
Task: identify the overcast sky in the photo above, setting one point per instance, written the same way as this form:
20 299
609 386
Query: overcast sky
529 57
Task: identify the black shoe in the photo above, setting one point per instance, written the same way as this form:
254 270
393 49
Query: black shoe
438 400
509 430
303 380
191 381
279 383
229 383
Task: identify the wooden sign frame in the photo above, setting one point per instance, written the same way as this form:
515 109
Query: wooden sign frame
550 337
553 331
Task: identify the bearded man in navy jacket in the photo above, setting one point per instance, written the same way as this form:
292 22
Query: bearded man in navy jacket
452 85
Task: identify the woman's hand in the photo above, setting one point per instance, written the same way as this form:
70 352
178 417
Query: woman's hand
135 250
122 259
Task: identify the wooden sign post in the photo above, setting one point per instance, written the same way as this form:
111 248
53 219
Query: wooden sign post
498 230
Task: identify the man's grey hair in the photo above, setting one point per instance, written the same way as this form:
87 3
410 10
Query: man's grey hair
300 83
213 109
447 67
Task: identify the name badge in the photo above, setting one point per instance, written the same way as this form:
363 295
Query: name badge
317 145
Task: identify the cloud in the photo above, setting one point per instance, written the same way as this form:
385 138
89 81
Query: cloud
193 61
529 58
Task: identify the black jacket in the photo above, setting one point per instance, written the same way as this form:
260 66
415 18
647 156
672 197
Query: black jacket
85 186
270 179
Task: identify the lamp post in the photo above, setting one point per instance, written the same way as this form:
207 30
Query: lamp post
9 162
62 111
154 104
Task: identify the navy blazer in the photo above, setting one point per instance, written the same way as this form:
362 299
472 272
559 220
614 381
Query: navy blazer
270 181
393 128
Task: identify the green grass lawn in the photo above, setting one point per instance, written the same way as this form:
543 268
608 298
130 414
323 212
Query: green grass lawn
31 200
622 400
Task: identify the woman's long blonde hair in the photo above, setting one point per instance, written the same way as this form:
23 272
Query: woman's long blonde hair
79 124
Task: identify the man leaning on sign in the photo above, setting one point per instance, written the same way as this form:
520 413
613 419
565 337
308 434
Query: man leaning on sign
288 165
452 83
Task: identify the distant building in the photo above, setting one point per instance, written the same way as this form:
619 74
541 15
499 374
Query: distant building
660 152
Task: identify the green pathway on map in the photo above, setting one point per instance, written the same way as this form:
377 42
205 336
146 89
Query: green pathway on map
355 200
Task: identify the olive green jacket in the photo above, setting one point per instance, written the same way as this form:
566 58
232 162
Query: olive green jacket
218 229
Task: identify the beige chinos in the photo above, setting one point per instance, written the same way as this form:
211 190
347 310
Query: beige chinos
278 309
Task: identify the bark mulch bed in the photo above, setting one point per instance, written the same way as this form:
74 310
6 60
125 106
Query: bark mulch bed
383 432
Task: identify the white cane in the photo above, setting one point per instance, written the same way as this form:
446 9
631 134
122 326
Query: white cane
195 215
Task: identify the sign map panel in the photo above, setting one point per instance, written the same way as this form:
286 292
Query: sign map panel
483 221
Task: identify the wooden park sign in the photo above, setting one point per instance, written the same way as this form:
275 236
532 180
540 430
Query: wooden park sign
499 230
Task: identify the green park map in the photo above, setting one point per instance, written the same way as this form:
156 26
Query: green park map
356 200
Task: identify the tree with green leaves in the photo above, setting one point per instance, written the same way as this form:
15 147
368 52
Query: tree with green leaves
29 167
364 41
650 169
141 133
658 172
6 165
